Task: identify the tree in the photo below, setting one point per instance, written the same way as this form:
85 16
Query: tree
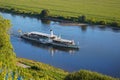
102 22
115 23
82 18
44 13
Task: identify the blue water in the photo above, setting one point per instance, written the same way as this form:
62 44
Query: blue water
99 47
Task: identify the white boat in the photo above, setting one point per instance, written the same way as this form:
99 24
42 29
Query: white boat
49 39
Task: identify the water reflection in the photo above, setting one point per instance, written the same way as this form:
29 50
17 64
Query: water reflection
52 49
102 27
83 28
116 29
45 21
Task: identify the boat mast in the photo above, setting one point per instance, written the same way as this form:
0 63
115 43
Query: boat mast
51 33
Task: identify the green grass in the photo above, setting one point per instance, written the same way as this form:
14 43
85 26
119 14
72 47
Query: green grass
88 75
53 73
41 71
97 9
7 56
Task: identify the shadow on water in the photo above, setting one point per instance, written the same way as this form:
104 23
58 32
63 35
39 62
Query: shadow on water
116 29
45 21
84 28
103 28
52 49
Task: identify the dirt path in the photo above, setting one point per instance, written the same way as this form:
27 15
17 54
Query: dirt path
22 65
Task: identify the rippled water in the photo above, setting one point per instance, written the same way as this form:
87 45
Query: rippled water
99 47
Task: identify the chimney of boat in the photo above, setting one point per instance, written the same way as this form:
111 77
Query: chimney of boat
51 33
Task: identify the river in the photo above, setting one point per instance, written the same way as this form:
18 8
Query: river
99 47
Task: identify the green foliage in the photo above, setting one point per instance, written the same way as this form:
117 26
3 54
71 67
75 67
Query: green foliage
7 55
88 75
41 71
44 13
115 23
35 68
102 22
99 10
82 18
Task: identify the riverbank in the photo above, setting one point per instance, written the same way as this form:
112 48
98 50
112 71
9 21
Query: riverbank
27 10
63 21
38 70
60 74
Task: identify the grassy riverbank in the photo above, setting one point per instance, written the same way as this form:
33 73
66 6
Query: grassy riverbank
97 12
42 70
39 71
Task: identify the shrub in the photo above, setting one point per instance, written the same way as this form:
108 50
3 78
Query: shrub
74 19
102 22
44 13
82 18
115 23
60 17
87 75
35 68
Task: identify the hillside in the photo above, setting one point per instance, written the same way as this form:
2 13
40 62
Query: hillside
7 56
9 68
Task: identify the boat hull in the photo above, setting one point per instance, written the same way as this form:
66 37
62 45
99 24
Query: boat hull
50 43
65 46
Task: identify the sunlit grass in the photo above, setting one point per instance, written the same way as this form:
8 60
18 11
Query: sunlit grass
98 9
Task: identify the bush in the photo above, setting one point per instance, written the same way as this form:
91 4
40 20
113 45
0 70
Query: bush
102 22
60 17
87 75
74 19
35 68
44 13
115 23
82 18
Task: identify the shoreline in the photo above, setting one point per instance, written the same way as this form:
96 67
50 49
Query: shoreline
60 19
62 22
32 64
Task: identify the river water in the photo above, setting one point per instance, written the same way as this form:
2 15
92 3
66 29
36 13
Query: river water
99 47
